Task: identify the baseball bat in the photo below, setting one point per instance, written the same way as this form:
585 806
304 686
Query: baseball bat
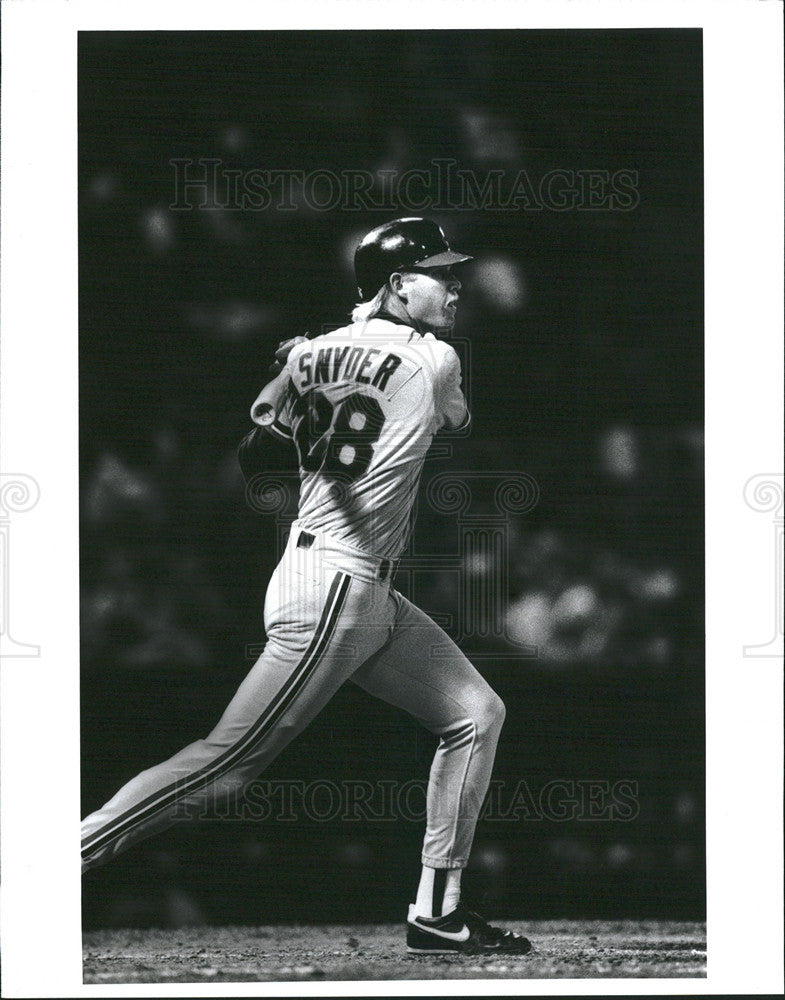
268 403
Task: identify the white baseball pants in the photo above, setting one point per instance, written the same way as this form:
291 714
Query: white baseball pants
329 618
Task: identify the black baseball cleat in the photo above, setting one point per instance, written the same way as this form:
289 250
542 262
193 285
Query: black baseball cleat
462 931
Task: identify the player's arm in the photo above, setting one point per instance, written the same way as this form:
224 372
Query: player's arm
450 402
251 453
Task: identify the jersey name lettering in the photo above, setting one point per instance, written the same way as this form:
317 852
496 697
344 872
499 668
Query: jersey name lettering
333 364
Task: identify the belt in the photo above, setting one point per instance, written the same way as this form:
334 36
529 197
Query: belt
386 566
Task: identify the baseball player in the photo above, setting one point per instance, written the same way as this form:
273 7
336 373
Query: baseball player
361 405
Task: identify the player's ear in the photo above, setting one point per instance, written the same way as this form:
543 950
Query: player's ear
398 285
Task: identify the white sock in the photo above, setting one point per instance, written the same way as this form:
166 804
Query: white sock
452 890
439 891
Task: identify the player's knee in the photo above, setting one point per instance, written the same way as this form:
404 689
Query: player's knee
499 710
492 715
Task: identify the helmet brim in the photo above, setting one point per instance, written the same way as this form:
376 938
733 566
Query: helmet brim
444 259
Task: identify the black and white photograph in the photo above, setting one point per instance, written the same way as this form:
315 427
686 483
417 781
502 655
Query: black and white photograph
390 508
476 257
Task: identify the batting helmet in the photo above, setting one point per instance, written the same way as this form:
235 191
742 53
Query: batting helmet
396 246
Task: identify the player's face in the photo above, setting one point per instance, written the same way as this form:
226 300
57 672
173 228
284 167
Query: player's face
431 296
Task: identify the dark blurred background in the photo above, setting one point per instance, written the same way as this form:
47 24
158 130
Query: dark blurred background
585 372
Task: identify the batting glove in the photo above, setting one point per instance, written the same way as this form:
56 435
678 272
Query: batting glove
283 351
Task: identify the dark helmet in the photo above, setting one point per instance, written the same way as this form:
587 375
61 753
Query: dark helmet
396 246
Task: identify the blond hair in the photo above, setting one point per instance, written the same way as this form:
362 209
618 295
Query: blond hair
367 310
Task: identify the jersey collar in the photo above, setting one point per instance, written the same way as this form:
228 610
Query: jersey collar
389 317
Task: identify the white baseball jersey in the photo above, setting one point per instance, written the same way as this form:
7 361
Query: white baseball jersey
365 403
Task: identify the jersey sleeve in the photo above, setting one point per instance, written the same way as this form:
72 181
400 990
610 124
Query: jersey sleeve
451 409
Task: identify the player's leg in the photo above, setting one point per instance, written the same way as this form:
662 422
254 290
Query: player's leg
421 670
312 648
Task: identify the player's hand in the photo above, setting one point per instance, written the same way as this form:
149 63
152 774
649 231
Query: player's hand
283 353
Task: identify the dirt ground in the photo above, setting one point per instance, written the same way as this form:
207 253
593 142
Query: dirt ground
562 949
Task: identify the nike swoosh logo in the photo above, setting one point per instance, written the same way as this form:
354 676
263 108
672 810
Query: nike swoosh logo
462 935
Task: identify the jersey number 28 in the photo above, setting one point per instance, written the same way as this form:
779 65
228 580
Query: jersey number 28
337 440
